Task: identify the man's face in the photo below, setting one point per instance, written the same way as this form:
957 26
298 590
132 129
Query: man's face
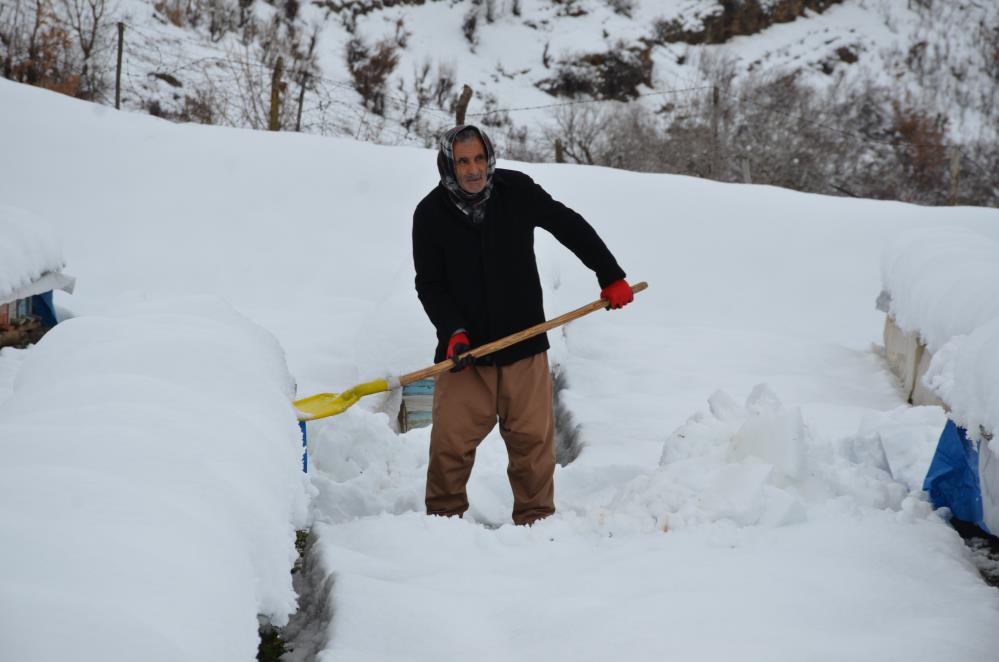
470 165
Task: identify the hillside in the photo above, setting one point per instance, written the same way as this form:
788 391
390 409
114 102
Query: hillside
901 95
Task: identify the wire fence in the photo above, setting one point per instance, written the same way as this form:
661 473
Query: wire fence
224 58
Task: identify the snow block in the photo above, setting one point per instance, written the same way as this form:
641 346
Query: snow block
772 434
952 480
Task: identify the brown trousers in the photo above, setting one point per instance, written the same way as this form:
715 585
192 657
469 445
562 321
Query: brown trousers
466 406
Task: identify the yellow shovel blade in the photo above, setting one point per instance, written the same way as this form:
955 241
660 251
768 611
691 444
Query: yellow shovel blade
331 404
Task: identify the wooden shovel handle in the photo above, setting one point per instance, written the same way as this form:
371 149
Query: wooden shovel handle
513 338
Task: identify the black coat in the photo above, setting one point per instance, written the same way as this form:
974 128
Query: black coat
484 277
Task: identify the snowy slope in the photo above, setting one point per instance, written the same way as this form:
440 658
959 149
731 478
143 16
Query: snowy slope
779 523
930 55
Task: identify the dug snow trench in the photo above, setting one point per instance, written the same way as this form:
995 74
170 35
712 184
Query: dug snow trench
760 531
748 484
306 633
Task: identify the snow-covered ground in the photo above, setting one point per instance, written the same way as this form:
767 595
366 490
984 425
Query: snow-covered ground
707 517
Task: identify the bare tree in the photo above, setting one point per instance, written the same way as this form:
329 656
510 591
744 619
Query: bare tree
581 130
86 21
38 48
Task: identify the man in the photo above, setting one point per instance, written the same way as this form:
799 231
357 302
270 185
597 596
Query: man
476 276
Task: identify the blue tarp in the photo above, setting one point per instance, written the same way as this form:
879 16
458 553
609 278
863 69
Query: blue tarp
41 305
305 446
952 480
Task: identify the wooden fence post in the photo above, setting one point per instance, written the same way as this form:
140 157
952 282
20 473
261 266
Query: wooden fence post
276 95
559 151
305 81
117 77
955 174
714 133
301 100
459 111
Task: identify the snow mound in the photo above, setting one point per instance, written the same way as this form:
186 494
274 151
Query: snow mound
754 465
943 282
965 375
908 436
151 488
362 468
29 247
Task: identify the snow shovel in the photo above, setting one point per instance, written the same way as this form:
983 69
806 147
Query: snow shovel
330 404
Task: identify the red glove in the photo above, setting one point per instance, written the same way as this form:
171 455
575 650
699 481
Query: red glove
617 294
459 344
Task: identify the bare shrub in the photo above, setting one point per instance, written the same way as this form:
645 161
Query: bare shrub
244 14
732 19
493 115
370 68
622 7
470 24
776 131
430 89
174 11
204 106
979 165
515 143
572 8
989 41
201 108
435 89
223 17
581 129
616 74
632 136
220 17
919 147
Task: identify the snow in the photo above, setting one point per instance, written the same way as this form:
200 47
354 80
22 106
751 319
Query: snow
150 488
10 362
942 282
713 593
748 486
965 374
29 248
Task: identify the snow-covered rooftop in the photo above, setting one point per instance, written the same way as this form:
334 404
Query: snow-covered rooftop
29 250
965 374
943 282
150 488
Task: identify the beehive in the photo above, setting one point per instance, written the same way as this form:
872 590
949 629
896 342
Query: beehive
416 410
